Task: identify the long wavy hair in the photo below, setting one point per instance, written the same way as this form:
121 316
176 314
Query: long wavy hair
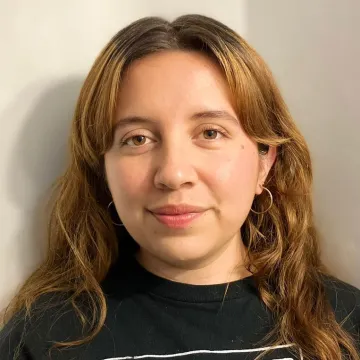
282 243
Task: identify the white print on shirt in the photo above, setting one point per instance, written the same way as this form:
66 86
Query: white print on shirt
216 354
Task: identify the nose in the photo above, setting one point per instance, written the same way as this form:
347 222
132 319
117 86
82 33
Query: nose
175 168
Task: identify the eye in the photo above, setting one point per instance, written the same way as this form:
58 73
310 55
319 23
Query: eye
135 140
212 133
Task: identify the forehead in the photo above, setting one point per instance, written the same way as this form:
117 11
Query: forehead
173 81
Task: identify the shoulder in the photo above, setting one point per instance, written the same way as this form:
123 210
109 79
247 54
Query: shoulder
345 301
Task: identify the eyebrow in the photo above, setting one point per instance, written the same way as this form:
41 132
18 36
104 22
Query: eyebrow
214 114
209 114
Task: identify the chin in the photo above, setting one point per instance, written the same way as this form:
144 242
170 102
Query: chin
183 256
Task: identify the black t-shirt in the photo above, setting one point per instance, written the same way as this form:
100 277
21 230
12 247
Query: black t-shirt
153 318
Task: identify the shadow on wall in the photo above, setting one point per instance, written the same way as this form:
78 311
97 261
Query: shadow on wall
37 159
313 48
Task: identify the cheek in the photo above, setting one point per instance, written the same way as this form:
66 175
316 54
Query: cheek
125 180
235 176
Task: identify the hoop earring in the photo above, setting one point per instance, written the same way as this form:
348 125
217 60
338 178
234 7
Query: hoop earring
271 202
116 224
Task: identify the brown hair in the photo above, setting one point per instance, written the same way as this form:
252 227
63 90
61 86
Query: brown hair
282 243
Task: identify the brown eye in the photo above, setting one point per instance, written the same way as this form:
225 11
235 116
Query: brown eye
210 134
138 140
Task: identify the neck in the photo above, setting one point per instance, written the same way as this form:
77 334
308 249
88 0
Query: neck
225 266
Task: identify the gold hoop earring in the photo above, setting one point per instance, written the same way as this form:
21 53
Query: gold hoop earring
271 202
116 224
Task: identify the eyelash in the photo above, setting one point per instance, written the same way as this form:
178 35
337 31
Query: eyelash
205 128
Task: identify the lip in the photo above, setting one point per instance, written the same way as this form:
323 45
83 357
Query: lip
178 209
177 216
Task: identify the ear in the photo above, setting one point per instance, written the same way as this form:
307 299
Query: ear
266 162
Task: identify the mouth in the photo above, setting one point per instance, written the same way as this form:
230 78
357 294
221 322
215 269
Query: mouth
177 216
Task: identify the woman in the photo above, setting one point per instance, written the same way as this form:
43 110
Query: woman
183 226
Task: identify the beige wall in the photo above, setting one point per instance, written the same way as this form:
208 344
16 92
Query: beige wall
48 47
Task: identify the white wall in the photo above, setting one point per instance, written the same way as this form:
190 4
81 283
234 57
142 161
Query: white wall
313 48
48 47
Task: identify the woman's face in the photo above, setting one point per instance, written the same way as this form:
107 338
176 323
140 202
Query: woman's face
182 172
